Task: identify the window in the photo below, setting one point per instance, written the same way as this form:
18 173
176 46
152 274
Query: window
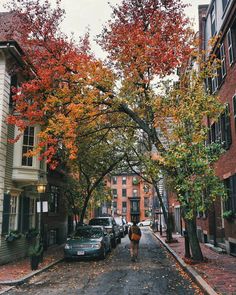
115 207
226 128
114 180
124 207
214 80
134 207
230 47
146 188
146 213
124 192
146 202
32 208
213 20
135 180
224 4
230 184
12 90
222 58
135 193
53 199
114 192
28 144
123 180
234 106
213 132
13 217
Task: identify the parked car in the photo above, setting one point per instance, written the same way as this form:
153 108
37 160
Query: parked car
126 226
119 220
146 222
88 241
111 227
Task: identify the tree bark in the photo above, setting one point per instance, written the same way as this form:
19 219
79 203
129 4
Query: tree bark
193 240
85 205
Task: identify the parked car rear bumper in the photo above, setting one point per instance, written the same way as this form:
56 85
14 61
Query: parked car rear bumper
73 254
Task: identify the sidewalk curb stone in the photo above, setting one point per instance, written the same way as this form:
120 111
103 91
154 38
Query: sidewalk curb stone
193 274
30 275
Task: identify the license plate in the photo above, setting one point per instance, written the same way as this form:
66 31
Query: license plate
80 252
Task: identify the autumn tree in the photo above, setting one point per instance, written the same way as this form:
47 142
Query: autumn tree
62 81
141 159
157 40
68 88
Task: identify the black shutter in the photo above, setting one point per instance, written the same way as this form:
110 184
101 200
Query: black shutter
223 136
25 221
19 223
233 196
6 213
228 137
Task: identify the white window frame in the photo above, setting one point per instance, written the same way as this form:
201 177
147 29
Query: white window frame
213 19
223 62
124 180
32 213
13 213
230 47
135 193
28 146
214 81
124 209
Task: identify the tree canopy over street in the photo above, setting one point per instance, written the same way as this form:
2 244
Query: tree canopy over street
79 100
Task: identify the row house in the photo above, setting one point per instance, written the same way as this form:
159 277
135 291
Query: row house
23 206
132 198
218 226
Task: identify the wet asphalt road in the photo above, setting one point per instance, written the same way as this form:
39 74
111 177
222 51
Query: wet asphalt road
156 272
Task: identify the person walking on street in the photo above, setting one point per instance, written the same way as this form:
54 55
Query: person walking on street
134 236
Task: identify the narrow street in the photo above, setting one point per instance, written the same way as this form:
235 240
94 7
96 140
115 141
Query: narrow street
156 272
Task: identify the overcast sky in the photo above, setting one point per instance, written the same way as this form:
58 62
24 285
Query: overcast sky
92 14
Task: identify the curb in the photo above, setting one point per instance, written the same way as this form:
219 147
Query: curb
30 275
206 288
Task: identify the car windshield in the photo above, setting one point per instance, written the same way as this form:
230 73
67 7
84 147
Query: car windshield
92 233
99 221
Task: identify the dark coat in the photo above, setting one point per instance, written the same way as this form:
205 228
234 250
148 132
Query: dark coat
136 230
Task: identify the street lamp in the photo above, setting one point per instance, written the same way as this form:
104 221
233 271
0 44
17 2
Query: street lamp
41 187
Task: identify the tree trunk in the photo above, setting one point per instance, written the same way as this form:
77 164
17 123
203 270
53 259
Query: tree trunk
193 240
169 237
84 208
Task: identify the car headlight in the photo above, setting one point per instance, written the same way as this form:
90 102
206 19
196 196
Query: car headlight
67 247
97 246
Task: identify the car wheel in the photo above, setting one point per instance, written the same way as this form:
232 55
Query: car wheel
141 224
113 243
68 259
103 255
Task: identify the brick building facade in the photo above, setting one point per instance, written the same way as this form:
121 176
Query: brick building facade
131 197
219 18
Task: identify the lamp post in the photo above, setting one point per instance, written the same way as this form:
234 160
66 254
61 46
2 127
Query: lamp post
41 187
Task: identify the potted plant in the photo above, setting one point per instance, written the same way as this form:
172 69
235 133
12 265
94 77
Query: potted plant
229 215
12 236
31 234
36 254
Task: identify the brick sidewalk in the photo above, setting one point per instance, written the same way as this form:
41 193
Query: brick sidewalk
18 270
219 271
